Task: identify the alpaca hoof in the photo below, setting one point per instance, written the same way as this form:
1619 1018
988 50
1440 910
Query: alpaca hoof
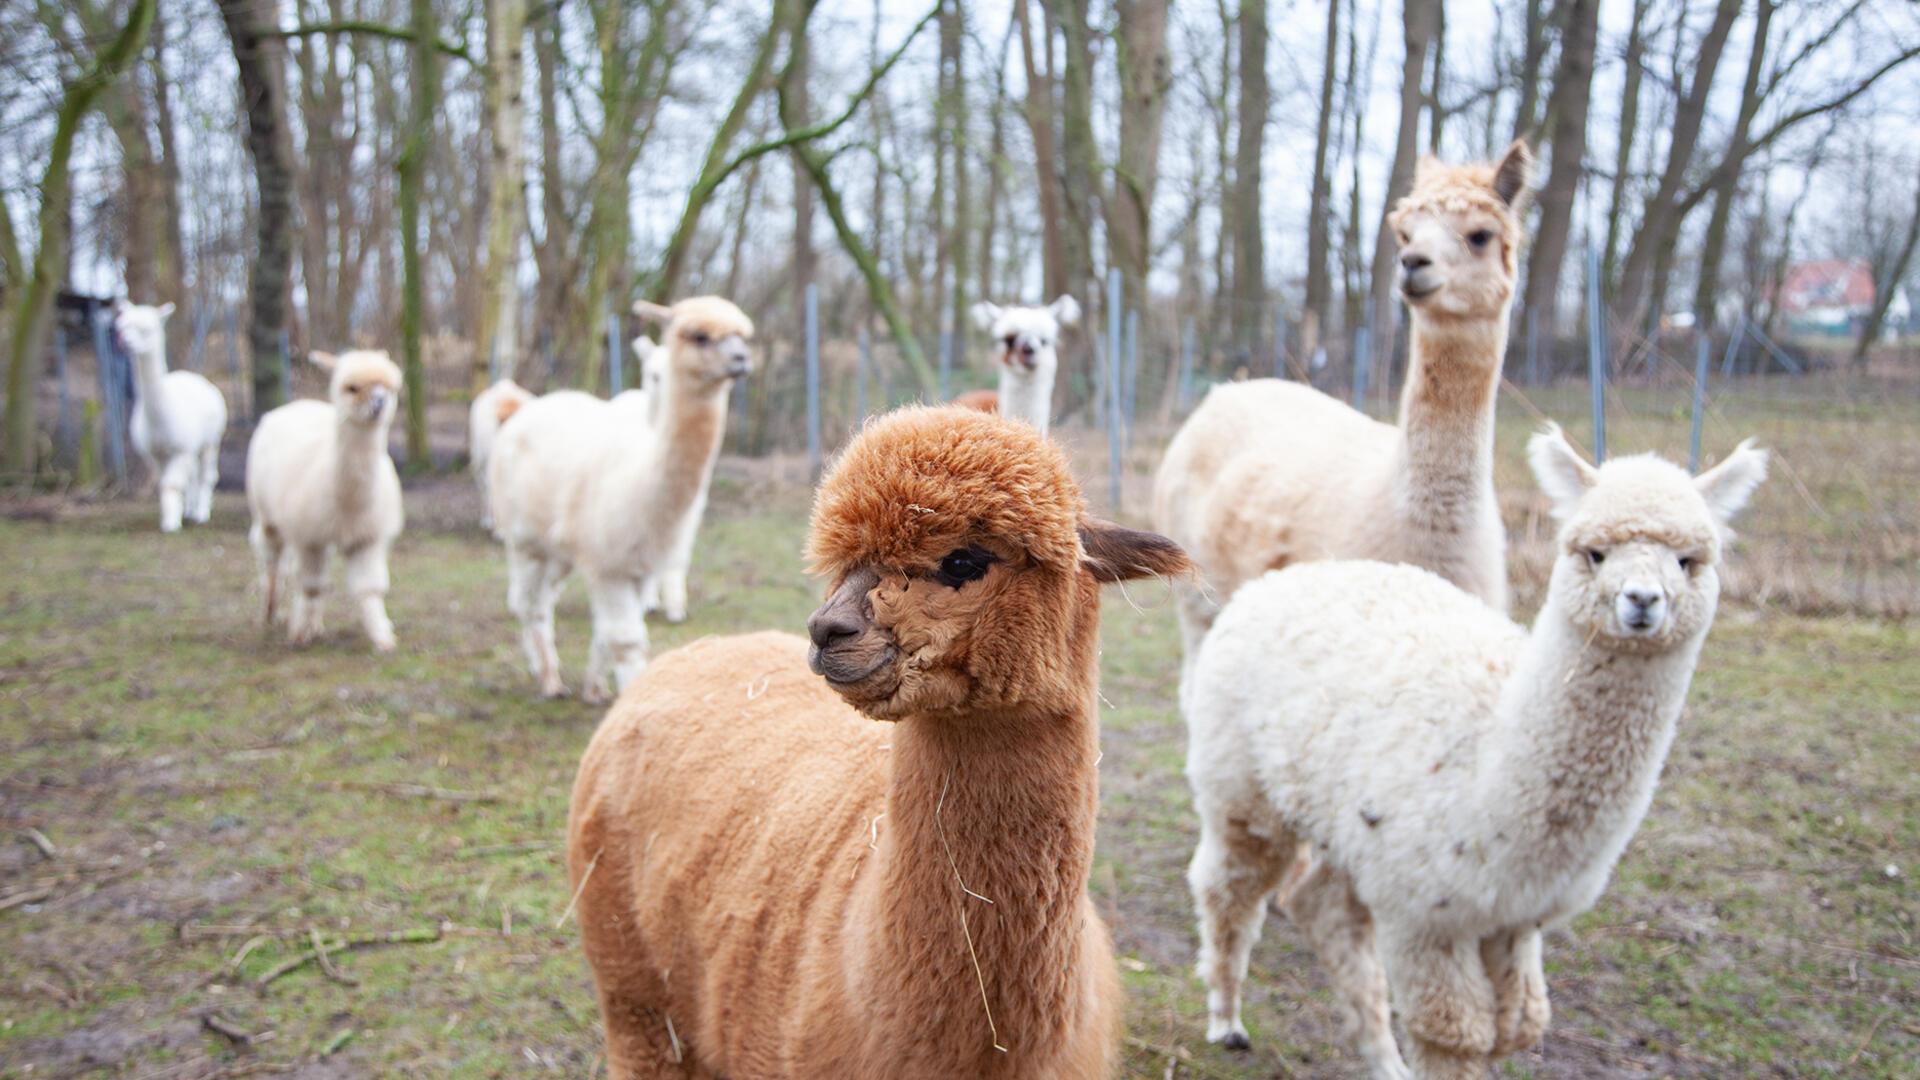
553 690
676 617
385 645
1230 1035
594 694
1236 1040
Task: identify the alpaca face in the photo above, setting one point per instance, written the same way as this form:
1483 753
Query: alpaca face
653 364
1640 541
706 344
1026 339
1459 236
141 329
365 387
965 574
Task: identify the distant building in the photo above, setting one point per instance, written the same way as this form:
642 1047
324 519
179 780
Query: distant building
1827 297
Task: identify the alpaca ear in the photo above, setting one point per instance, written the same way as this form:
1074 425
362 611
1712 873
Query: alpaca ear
1424 168
1515 171
985 315
647 309
165 310
1065 310
1562 473
1117 553
322 360
643 347
1728 485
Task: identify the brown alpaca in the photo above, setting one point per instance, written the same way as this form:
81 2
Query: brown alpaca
1268 473
770 885
986 401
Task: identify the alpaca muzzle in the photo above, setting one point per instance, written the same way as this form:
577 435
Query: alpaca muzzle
847 647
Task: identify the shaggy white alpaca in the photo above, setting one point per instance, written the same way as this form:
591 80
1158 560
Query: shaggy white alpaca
178 421
1439 783
491 408
578 481
319 480
1025 346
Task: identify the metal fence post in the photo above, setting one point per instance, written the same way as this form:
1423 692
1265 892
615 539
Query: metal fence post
860 376
1113 385
63 426
813 380
1362 357
202 322
1183 390
106 355
1700 350
1132 384
1597 356
614 384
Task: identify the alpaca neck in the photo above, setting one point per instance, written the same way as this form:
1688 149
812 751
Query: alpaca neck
685 445
1007 806
1027 395
1446 420
149 374
1580 737
358 448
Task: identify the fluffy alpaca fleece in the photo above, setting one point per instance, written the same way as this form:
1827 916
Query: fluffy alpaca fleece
177 422
1438 783
491 408
581 482
1025 347
319 480
1268 473
772 885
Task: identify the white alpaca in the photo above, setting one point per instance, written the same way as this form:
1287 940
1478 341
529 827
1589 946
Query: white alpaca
319 480
178 421
645 398
1025 346
491 408
578 481
1268 473
665 590
1439 783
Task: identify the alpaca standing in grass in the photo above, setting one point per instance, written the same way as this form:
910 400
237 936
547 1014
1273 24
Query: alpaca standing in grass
178 421
664 591
319 479
1267 473
582 482
1025 346
1439 783
491 408
768 884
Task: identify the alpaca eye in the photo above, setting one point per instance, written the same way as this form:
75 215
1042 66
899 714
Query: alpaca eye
1595 556
353 388
1687 563
1480 237
1012 340
961 566
700 337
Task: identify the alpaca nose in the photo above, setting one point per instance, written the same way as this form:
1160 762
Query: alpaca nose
1642 597
832 625
1413 261
1026 348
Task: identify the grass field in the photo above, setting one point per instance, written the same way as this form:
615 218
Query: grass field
185 804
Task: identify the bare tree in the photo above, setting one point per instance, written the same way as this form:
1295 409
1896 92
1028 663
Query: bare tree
258 54
1629 122
1418 24
1567 108
1886 282
1319 279
29 313
496 344
1145 76
1249 263
1726 183
1040 120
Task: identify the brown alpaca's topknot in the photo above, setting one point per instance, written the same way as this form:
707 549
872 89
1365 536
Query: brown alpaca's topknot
921 481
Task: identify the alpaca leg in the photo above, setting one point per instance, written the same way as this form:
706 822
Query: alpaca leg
619 637
1445 999
673 573
533 587
1340 928
176 473
312 572
641 1044
267 551
1521 1009
1232 874
205 478
367 583
1196 614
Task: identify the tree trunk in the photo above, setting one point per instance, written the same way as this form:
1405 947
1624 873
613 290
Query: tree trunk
1221 320
496 345
1567 108
1629 121
1526 113
1660 224
996 170
411 166
1417 26
1888 284
1081 169
172 268
1249 260
1145 76
553 255
1726 183
1314 320
953 31
30 313
1039 110
263 82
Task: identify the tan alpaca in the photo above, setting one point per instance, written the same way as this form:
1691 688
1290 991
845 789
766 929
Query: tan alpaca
1268 473
771 885
581 482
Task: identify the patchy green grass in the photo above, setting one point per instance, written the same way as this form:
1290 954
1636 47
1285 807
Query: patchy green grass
212 797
